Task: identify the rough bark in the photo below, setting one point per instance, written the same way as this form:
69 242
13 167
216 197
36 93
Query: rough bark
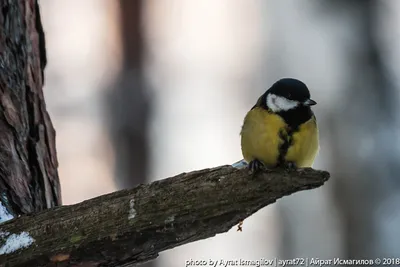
133 226
28 164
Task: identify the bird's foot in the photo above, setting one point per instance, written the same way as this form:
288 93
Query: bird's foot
255 166
240 226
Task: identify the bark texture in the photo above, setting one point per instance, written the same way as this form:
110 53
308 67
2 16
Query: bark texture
28 164
133 226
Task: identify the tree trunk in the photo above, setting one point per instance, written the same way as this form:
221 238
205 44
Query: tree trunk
28 164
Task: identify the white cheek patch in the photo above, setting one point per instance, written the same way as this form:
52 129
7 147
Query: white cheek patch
279 103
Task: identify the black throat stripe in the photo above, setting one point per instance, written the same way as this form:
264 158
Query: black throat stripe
293 118
297 116
287 138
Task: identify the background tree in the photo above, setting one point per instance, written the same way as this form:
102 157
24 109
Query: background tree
365 160
350 50
128 101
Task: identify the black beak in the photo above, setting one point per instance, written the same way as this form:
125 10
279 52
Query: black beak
309 102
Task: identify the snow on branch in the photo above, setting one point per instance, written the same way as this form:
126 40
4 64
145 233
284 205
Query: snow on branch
133 226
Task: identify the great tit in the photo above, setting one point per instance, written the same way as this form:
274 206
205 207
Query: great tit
281 129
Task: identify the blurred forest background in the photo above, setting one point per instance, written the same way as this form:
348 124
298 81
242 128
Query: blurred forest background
143 90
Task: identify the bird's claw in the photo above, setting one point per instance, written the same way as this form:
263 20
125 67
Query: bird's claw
255 166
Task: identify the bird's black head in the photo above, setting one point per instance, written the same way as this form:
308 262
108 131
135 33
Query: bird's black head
287 94
290 99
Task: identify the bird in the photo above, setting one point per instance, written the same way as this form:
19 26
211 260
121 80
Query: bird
281 130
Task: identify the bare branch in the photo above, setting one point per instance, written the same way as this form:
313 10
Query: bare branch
133 226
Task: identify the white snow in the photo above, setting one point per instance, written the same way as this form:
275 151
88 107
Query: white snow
240 164
4 214
132 211
15 242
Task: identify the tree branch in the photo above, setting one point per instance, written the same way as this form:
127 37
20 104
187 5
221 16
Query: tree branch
133 226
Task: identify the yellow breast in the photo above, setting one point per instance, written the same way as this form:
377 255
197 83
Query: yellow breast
263 134
260 136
